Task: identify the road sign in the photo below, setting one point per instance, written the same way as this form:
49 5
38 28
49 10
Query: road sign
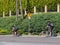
29 15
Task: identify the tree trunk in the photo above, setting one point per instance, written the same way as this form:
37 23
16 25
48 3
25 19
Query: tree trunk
3 14
25 12
57 7
10 13
34 10
45 8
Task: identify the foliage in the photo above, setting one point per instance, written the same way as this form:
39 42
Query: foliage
6 5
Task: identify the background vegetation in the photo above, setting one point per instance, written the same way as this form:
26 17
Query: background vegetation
10 5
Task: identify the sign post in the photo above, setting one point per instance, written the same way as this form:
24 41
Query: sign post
29 18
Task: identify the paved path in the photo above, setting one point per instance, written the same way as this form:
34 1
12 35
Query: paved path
27 40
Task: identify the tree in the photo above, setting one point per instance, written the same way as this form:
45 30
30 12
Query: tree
0 7
58 2
52 5
12 6
28 6
46 3
24 5
5 7
40 5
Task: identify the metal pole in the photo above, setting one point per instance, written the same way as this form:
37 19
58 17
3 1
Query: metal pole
29 27
21 8
16 10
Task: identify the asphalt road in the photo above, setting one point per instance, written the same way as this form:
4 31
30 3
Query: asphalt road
13 40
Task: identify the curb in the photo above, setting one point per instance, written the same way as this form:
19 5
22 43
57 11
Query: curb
30 36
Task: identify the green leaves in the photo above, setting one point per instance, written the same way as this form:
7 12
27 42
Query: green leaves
6 5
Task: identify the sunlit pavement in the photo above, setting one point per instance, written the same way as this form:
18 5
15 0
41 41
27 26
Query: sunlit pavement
28 40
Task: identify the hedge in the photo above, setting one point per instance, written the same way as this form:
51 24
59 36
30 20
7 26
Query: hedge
36 24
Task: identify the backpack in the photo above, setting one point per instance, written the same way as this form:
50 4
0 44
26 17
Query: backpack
15 28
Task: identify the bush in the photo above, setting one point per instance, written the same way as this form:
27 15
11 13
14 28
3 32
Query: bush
4 32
